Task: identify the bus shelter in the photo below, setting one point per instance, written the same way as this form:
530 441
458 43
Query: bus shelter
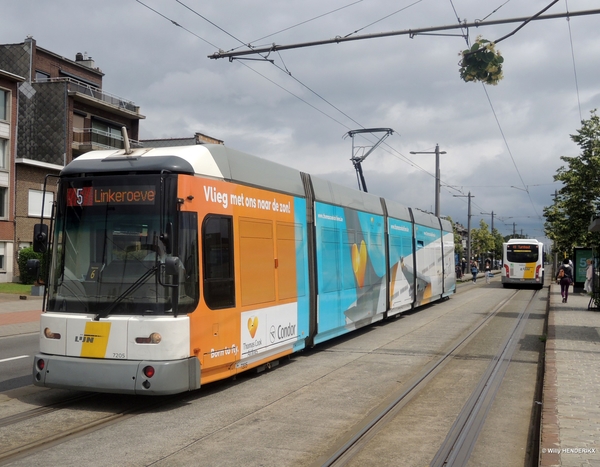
594 303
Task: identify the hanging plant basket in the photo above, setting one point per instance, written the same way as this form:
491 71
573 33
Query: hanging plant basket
482 62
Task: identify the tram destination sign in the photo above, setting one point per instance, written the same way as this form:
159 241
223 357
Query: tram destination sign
94 196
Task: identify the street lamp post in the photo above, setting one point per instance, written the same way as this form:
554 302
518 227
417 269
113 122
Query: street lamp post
437 174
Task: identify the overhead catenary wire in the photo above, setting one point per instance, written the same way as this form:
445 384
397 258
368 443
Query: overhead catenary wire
537 15
316 94
175 23
300 23
286 71
385 17
397 154
573 58
495 11
490 100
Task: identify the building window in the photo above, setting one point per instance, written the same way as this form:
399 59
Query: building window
35 203
3 153
41 77
3 105
2 249
106 135
3 200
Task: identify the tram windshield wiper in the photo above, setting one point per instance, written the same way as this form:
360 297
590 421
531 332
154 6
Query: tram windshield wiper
132 288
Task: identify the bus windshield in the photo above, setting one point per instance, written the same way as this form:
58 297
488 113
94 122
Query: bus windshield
519 253
108 248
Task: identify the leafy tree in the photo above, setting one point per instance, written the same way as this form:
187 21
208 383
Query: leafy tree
568 218
498 241
482 241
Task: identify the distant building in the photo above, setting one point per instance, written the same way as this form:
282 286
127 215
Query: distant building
62 112
198 138
462 231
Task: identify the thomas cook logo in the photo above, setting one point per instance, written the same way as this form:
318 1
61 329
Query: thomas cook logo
252 326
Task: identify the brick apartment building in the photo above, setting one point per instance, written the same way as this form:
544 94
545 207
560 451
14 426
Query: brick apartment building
61 111
9 83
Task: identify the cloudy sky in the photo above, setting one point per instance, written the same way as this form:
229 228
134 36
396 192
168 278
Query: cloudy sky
503 143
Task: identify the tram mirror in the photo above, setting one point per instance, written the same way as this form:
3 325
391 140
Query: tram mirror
166 238
40 238
172 265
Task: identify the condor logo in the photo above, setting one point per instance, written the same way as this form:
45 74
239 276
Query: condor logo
94 339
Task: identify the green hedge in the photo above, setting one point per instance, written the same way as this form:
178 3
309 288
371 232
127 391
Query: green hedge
24 255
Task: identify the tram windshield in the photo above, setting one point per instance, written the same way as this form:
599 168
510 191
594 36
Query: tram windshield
111 240
520 253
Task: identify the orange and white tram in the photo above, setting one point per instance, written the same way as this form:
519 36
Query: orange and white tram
174 267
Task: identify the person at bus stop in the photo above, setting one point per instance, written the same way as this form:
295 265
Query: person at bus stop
474 271
565 278
589 275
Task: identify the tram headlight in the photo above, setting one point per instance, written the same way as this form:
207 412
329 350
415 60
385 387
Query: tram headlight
153 338
51 335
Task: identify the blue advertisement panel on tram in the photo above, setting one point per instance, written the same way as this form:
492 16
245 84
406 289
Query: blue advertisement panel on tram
350 269
401 265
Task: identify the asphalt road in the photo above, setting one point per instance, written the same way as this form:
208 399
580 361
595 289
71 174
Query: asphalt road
16 359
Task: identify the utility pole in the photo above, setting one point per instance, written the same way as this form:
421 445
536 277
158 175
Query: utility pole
357 161
468 223
437 175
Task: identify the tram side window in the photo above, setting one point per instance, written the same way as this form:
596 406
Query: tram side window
188 253
217 249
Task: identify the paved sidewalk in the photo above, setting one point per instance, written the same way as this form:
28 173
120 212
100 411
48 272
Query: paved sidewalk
570 431
19 316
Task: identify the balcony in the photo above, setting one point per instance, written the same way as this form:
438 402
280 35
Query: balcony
91 139
85 91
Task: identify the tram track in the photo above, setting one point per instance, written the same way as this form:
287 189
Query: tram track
321 399
461 438
25 438
39 411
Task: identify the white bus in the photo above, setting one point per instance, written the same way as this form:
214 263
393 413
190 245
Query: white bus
523 262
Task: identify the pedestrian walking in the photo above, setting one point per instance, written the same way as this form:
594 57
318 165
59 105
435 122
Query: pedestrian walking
564 277
474 271
488 270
